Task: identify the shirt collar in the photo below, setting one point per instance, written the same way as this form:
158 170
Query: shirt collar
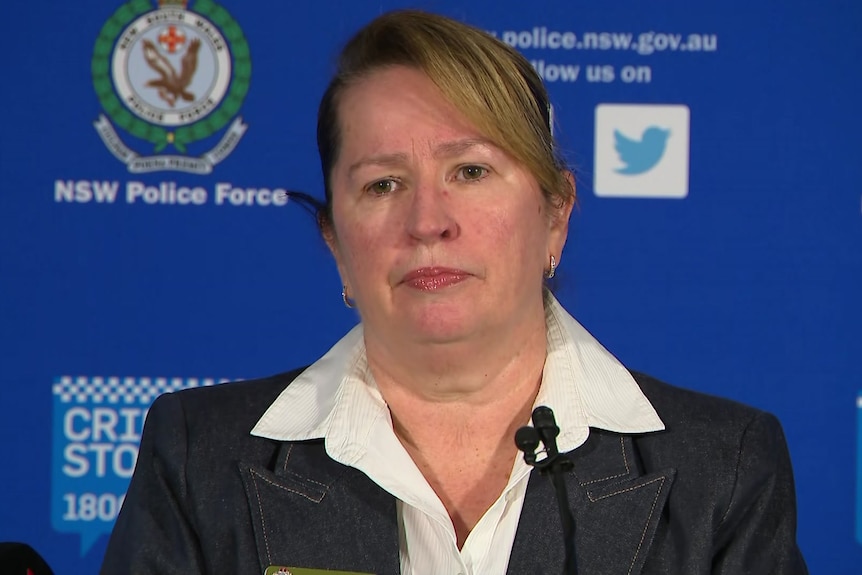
586 386
336 397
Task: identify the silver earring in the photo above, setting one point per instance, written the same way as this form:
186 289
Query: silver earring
553 269
347 301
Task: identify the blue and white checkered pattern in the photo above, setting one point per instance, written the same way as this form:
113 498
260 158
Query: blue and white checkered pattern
126 390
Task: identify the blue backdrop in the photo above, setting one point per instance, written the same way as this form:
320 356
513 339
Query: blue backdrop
131 262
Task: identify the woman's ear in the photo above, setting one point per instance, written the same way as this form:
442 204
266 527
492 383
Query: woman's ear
328 233
560 217
327 230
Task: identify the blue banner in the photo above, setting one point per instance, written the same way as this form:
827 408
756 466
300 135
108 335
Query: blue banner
144 227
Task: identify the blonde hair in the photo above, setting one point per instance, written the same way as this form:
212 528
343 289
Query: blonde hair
492 84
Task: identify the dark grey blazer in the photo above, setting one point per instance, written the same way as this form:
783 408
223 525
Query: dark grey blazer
713 493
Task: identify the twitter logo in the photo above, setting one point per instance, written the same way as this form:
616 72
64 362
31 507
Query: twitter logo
641 151
642 155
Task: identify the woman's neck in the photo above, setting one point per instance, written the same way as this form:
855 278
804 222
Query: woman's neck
456 413
446 389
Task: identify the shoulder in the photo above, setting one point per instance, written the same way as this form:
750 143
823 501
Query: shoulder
734 479
684 409
711 436
201 432
704 425
218 411
720 448
236 396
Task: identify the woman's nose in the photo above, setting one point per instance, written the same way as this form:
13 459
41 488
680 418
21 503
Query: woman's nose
431 217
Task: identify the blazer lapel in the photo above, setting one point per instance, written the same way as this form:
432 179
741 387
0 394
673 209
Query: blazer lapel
616 511
311 511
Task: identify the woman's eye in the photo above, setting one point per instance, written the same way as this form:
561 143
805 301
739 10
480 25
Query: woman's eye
472 173
382 187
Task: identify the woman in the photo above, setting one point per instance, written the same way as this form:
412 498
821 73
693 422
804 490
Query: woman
446 207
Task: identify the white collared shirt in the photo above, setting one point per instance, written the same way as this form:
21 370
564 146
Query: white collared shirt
337 399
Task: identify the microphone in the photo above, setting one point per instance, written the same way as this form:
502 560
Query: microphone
555 464
545 424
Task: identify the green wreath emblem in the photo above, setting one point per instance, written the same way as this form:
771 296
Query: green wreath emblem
160 137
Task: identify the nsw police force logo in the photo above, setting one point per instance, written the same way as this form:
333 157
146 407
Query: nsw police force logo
170 76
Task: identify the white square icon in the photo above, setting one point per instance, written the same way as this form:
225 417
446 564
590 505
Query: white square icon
641 151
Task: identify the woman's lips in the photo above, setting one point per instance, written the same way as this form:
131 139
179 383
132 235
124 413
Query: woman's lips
431 279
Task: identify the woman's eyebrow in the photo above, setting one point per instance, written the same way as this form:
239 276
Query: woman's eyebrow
442 150
457 147
385 160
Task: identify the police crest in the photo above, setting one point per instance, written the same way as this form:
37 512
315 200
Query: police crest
171 76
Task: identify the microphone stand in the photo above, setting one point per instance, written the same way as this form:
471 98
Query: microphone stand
554 464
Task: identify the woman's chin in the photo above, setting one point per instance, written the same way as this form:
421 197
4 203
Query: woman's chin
440 324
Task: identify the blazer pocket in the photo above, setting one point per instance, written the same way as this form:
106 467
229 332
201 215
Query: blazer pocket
300 522
278 506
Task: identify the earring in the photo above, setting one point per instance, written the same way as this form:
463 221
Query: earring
344 297
553 269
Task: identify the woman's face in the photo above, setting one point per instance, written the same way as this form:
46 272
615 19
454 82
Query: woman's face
439 235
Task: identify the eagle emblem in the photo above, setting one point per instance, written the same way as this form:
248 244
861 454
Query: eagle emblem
161 73
170 85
